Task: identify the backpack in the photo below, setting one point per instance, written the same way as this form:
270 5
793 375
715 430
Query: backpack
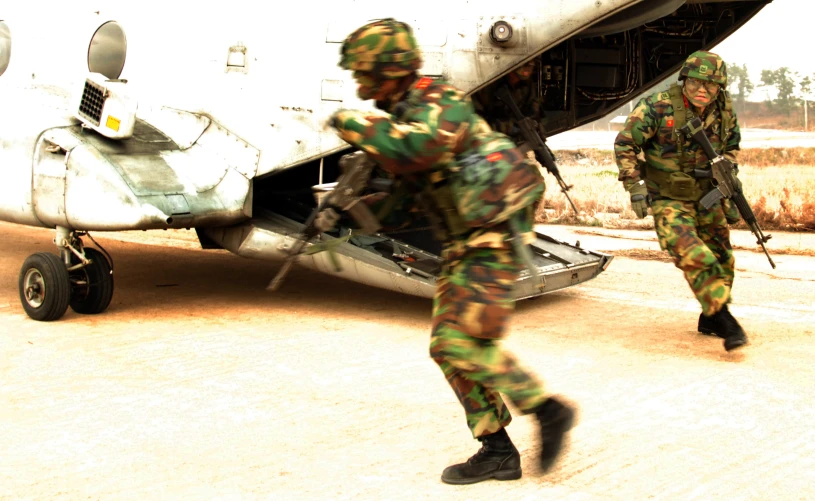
489 182
493 180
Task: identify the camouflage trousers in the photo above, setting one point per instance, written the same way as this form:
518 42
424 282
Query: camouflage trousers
699 242
472 306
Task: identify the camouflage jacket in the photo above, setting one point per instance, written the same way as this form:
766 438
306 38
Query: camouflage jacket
498 114
434 124
650 129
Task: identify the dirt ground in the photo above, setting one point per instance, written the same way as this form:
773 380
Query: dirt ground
199 384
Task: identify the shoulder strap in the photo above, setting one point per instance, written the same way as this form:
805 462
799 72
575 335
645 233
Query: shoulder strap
418 90
678 104
726 113
680 117
412 97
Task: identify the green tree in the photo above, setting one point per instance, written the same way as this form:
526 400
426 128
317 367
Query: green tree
738 79
768 79
806 86
784 82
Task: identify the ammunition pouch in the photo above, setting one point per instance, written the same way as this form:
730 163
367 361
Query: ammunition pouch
680 185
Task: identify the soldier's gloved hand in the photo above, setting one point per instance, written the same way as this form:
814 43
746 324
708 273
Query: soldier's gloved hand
639 199
326 219
338 118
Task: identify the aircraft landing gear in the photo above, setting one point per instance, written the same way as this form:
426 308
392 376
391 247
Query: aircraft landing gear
80 277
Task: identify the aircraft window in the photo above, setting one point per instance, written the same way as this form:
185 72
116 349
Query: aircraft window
106 54
5 47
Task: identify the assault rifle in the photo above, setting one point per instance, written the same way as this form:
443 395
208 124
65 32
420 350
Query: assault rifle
528 128
344 196
725 182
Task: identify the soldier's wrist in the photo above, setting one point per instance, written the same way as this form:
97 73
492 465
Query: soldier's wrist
636 187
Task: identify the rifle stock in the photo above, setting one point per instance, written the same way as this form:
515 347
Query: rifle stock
725 182
528 128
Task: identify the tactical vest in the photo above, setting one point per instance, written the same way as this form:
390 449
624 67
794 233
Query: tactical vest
682 185
433 194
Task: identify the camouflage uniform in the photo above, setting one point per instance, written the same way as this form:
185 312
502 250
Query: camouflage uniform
473 299
698 239
419 135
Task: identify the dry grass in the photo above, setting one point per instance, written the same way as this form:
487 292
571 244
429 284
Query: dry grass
778 182
769 157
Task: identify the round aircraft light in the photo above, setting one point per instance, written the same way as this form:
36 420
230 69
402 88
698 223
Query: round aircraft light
501 32
5 47
106 53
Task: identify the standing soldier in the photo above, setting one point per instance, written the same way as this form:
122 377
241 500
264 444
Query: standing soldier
515 108
522 91
676 174
425 131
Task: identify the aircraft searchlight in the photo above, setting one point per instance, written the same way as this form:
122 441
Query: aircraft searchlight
103 104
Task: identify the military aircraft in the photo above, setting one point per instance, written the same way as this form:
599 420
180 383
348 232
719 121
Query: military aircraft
154 115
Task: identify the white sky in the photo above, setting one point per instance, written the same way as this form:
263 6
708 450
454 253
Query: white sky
779 35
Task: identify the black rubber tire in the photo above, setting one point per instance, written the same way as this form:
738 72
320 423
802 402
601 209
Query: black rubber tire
51 276
95 297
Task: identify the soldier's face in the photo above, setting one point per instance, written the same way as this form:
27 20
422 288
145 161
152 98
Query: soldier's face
700 93
367 84
525 71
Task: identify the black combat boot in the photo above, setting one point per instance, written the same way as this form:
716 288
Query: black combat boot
498 458
555 418
733 334
707 325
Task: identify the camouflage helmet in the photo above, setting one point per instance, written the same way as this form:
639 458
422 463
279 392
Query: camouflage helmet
704 66
385 47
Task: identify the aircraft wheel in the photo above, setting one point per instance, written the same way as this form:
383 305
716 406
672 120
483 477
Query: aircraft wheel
45 288
92 286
